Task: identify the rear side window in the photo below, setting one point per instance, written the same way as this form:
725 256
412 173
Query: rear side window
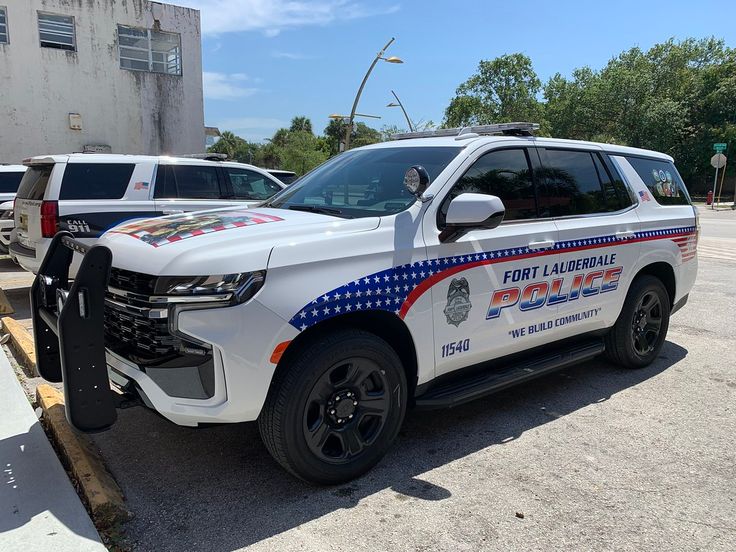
95 180
187 182
576 183
250 184
503 173
662 179
34 182
9 182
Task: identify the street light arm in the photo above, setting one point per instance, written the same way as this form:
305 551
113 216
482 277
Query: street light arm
349 129
401 105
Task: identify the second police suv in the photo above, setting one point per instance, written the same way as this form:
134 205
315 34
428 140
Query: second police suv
423 272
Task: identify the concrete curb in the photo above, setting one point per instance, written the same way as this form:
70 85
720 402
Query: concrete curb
21 341
98 488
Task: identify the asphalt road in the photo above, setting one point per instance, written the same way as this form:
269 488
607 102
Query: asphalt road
594 458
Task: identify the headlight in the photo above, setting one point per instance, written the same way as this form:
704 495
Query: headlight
243 285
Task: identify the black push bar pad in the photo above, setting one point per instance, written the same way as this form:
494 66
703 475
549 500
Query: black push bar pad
69 331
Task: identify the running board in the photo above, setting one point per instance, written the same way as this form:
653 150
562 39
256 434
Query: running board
469 388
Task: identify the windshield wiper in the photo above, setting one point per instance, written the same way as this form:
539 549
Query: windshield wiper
318 209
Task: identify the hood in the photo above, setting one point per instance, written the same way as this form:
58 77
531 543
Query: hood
219 241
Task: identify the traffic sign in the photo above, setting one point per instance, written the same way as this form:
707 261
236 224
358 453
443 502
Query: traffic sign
718 161
720 147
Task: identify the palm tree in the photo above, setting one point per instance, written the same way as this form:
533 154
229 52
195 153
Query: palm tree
301 123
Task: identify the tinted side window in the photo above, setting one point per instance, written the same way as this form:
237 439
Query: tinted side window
615 193
9 182
95 180
187 182
503 173
250 185
662 179
572 185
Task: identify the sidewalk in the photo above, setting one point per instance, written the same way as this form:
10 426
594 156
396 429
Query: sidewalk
39 509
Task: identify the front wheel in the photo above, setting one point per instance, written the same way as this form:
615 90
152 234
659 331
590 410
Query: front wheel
639 333
333 411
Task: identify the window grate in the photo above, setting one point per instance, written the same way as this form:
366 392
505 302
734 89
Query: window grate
147 50
57 31
4 38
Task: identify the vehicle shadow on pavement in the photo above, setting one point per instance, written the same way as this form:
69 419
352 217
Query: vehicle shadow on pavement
218 489
30 493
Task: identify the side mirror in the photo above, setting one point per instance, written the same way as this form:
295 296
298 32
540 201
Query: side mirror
416 180
472 211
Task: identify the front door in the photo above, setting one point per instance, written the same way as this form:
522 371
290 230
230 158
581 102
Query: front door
184 188
491 294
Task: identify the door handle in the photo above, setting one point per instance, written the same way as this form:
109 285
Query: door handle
173 211
544 244
625 235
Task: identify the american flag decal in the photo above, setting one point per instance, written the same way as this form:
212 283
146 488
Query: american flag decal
158 232
644 196
396 289
140 186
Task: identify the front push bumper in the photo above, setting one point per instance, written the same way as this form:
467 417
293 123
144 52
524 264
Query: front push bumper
68 330
69 335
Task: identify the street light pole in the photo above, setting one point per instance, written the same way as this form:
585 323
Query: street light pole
349 128
408 121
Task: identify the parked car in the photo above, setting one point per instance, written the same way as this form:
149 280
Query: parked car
10 177
87 194
423 272
287 177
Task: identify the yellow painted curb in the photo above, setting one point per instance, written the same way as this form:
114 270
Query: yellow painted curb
21 341
98 488
5 306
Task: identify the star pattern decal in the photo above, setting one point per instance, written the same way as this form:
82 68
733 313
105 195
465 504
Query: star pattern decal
378 291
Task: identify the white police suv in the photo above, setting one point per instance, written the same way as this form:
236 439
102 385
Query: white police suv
426 272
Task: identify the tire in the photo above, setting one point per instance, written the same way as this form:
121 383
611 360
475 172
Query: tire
639 333
335 408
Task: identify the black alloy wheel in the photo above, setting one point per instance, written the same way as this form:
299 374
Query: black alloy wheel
335 406
346 410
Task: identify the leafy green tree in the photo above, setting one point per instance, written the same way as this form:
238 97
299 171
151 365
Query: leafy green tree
301 152
228 143
503 89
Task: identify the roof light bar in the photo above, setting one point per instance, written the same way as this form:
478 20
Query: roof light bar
510 129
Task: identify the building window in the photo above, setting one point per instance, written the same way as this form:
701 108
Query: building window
148 50
57 31
4 38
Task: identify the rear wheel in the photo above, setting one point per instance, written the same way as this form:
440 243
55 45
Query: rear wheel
639 333
334 410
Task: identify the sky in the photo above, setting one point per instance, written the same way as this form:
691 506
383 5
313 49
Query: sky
266 61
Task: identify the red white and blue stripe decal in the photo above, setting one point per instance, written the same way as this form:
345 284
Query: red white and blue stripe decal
396 289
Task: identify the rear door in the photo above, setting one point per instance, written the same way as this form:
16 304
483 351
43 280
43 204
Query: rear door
598 226
94 196
250 186
184 188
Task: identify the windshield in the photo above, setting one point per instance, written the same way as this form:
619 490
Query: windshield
363 183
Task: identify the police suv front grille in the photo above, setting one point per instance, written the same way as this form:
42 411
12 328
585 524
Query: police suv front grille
139 329
137 282
145 337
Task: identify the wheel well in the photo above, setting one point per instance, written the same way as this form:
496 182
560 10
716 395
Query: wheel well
385 325
665 273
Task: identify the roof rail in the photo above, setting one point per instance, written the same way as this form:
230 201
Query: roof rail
206 156
508 129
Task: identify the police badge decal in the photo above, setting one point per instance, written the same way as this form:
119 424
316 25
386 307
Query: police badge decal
458 301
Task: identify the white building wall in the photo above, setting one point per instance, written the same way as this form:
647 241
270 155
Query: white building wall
131 111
